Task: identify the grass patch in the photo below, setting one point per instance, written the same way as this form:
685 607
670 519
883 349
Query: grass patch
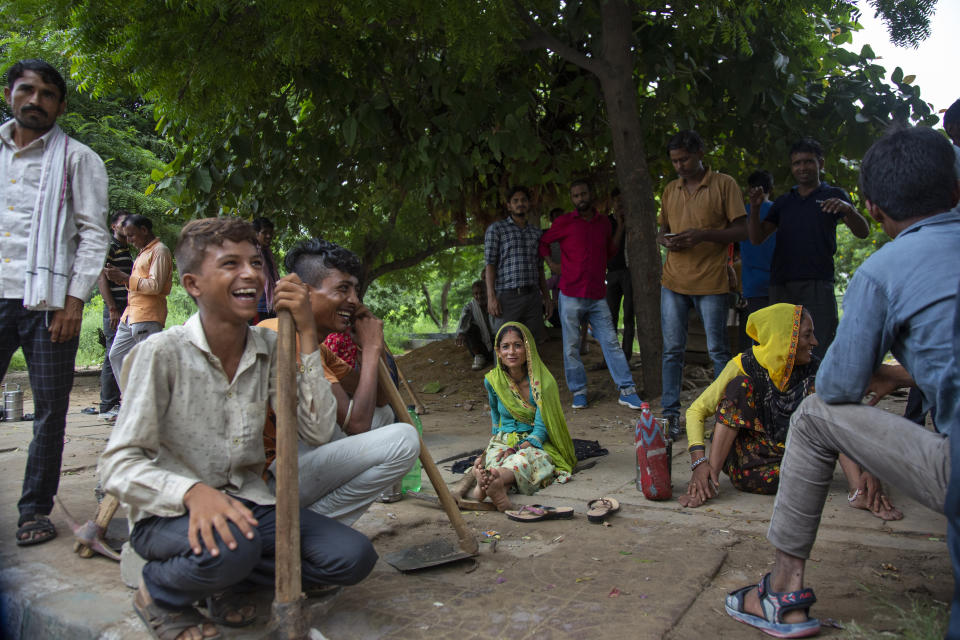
917 619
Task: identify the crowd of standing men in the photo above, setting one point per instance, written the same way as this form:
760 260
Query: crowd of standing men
896 303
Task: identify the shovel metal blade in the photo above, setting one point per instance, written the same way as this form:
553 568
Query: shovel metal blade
426 555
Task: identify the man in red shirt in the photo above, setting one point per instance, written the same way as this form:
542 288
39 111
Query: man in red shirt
586 243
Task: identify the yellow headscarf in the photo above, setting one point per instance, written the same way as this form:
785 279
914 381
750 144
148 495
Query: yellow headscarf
777 329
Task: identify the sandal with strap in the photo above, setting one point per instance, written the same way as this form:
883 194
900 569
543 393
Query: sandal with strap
35 529
223 606
167 624
538 512
774 606
601 508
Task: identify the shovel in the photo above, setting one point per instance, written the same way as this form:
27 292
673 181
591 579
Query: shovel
440 551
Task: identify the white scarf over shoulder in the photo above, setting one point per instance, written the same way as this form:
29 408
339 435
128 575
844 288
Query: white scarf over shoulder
49 260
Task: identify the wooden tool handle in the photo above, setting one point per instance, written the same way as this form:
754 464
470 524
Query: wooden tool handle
105 511
417 405
468 541
288 494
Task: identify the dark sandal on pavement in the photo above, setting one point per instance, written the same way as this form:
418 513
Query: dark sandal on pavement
220 606
601 508
538 512
167 624
774 606
35 529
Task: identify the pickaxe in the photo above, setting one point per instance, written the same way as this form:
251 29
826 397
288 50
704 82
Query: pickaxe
90 535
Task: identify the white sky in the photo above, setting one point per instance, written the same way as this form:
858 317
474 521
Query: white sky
935 62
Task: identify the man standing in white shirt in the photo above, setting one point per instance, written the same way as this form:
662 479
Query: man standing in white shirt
53 240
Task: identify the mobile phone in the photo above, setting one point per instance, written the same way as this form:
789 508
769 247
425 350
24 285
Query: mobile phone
669 235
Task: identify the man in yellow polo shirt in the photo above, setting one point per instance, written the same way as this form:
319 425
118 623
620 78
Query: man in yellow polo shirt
701 213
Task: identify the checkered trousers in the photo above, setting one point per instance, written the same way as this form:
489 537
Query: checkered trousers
50 367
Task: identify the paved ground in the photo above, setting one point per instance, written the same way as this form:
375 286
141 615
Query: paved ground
658 571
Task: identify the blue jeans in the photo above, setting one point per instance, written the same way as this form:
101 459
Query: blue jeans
952 511
332 553
674 310
573 311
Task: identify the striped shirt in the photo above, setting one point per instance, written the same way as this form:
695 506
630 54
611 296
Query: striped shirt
118 255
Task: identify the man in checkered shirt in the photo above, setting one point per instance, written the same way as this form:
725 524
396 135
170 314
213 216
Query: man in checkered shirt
516 287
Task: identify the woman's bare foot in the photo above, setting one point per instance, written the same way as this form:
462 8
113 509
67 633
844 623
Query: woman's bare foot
690 501
477 492
886 510
495 489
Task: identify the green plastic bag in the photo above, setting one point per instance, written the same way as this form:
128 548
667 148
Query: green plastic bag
411 481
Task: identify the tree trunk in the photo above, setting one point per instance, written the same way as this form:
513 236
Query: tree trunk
614 69
643 254
444 308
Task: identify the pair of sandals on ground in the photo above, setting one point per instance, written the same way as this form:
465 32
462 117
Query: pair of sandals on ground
597 511
476 487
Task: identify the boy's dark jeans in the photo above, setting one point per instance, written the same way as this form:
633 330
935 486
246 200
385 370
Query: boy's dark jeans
332 553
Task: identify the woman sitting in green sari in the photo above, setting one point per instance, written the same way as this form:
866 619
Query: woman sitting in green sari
531 446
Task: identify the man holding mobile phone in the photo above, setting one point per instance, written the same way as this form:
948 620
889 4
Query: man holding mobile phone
802 271
701 214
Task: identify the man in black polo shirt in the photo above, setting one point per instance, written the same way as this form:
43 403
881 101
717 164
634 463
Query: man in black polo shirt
114 302
806 218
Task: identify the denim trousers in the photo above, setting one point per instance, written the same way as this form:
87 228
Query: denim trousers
952 511
674 311
332 553
574 311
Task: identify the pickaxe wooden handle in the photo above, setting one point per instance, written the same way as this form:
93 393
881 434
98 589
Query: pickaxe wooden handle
468 541
417 405
287 622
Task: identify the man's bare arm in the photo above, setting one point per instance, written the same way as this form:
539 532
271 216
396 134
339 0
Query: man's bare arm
886 379
493 303
758 230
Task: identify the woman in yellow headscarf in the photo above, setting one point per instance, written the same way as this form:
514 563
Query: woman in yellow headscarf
531 446
753 399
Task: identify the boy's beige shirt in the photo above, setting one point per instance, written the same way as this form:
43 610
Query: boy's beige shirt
182 422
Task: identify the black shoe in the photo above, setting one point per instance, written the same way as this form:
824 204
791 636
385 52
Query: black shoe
673 428
90 411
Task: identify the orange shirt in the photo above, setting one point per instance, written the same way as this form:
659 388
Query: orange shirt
149 285
334 368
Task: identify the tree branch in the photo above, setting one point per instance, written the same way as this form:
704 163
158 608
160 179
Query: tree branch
429 308
420 256
541 38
